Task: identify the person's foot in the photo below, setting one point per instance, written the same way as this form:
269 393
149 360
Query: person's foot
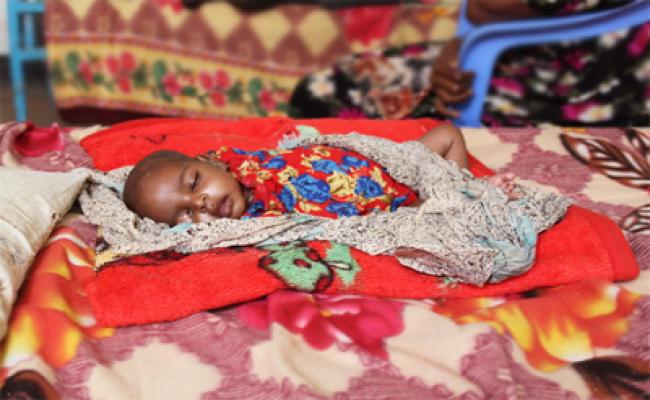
505 182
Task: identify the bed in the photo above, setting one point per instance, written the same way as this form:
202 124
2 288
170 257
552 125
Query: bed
586 339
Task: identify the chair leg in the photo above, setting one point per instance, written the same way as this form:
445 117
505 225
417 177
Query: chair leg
16 63
29 31
18 87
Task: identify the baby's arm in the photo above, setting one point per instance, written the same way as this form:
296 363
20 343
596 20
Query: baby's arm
447 141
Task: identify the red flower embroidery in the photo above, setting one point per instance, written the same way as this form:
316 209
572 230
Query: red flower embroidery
124 64
113 65
121 69
172 87
124 83
266 99
128 61
206 80
86 71
218 99
222 79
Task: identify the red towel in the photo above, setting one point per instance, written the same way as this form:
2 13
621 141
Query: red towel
167 285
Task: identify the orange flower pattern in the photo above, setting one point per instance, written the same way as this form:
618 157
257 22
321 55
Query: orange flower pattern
562 325
53 315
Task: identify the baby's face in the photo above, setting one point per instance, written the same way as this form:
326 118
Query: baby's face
179 191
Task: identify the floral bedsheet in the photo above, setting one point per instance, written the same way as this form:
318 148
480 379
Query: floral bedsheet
586 340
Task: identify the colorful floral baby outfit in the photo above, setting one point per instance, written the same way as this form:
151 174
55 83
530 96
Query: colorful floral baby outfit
602 81
318 180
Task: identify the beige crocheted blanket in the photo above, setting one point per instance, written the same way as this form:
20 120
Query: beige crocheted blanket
466 229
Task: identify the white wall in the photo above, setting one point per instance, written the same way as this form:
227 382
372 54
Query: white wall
4 34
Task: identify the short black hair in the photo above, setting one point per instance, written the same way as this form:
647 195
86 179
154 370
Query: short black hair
141 168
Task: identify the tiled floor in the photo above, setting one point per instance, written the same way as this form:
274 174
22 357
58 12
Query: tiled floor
40 106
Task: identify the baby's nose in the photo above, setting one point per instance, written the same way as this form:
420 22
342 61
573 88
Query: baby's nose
200 201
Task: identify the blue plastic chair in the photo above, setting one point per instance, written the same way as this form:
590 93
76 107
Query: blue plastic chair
483 44
22 47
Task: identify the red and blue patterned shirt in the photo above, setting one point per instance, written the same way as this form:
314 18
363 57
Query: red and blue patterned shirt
317 179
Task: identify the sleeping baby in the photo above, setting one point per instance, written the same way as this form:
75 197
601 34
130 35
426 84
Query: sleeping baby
414 200
317 179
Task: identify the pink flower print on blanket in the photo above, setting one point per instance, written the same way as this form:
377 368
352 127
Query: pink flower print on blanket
323 320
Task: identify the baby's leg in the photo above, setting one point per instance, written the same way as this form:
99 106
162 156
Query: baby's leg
448 142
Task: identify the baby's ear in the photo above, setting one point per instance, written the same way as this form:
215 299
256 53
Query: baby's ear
213 160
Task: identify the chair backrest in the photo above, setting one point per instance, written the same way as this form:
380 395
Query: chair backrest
483 44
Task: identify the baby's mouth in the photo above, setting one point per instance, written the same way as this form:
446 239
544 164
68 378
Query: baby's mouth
225 207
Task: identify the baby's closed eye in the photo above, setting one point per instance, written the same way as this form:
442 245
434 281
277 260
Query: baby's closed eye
195 181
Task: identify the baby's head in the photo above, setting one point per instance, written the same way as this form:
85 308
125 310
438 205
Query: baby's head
173 188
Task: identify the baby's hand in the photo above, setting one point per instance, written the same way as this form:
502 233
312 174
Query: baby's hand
505 182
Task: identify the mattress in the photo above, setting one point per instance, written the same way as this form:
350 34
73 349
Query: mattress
587 339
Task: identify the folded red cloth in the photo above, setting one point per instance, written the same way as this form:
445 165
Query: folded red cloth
167 285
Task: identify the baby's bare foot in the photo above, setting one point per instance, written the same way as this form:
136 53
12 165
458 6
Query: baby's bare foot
505 182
